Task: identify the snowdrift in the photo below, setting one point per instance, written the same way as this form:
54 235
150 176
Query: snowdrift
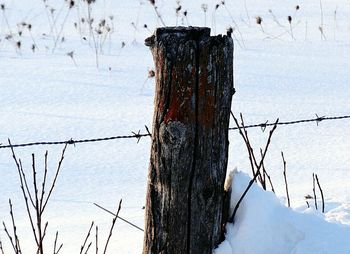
263 224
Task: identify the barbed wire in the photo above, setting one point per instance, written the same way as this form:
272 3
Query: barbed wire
318 119
139 135
135 135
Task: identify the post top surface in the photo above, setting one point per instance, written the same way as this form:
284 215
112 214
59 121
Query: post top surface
183 30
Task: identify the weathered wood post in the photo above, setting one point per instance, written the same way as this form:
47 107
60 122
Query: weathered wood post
194 88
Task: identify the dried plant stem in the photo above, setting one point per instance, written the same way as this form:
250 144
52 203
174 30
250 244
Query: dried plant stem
92 35
322 197
246 141
33 40
96 240
55 245
35 200
235 27
14 240
111 229
285 177
61 30
86 238
1 248
321 27
88 247
313 189
126 221
267 175
10 238
291 31
6 21
158 15
257 173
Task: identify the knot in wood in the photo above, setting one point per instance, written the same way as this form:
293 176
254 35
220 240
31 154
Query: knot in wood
173 134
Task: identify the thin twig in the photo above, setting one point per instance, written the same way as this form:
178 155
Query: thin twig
55 243
96 240
108 211
87 249
256 173
313 189
86 238
16 240
24 193
111 229
55 178
44 183
265 173
285 177
1 248
246 142
322 197
10 238
37 208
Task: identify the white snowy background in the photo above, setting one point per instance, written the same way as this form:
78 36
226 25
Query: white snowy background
280 72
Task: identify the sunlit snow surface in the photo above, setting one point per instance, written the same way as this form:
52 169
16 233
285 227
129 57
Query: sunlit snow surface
45 97
264 225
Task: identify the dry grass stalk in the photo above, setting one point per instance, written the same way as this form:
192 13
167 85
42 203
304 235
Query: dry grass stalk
314 190
36 201
321 191
285 178
86 238
111 229
259 166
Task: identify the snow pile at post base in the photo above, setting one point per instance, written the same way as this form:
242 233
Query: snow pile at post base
264 225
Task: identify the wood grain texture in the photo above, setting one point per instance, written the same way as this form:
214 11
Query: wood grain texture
194 88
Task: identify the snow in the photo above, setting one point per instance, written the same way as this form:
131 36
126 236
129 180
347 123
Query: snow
265 225
44 96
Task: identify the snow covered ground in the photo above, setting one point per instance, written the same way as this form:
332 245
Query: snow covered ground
280 71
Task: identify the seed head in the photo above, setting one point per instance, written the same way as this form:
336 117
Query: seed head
153 2
204 7
90 1
70 54
2 6
290 19
102 22
71 4
297 7
258 20
178 9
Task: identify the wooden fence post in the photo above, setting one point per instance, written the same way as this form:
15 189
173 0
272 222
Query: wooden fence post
194 88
